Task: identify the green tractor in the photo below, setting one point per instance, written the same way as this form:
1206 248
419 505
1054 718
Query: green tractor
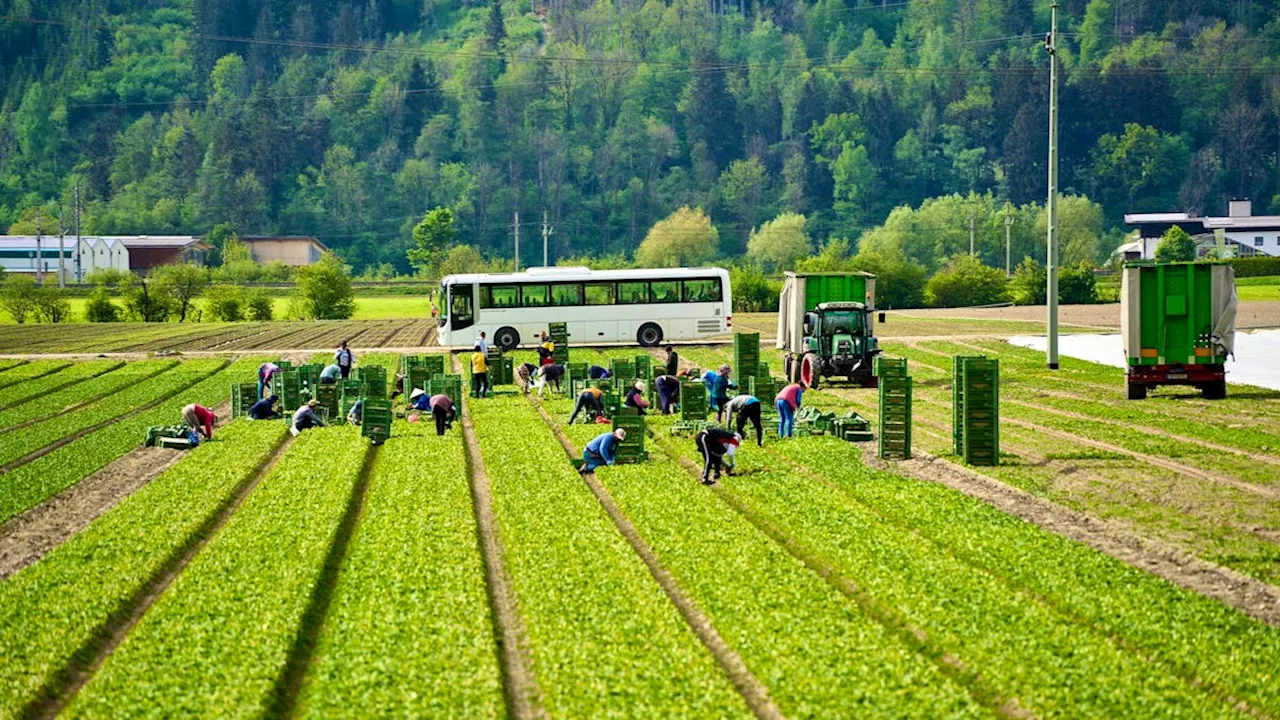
826 326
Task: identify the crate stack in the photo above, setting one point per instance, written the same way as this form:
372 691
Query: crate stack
348 396
643 367
895 408
448 384
693 401
375 419
746 355
975 394
575 379
373 381
501 369
632 449
330 399
559 333
243 396
287 385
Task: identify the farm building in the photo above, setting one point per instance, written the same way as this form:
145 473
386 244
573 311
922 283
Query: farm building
292 250
1245 234
18 254
149 251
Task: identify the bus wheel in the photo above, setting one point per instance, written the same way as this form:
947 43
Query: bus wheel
649 335
506 338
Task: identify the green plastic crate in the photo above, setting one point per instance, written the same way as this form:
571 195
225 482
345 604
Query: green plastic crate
375 419
622 369
373 379
895 418
243 396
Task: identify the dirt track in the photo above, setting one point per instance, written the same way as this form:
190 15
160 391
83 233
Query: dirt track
1250 314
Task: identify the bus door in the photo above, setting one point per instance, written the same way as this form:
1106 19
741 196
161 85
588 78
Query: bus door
461 307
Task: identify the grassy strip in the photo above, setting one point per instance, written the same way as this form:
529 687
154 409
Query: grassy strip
87 391
1201 637
139 393
53 611
9 364
604 638
21 392
33 483
219 639
408 631
31 370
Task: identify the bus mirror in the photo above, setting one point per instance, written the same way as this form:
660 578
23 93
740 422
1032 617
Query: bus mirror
881 318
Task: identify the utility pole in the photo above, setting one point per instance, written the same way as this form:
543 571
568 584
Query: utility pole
971 232
1008 225
62 248
546 236
517 228
1051 263
39 250
79 269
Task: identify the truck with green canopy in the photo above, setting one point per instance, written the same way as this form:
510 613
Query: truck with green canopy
826 326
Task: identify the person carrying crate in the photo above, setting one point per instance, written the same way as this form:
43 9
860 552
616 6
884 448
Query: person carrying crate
602 450
443 412
788 402
200 419
305 418
668 387
265 409
589 400
746 408
714 443
344 359
479 373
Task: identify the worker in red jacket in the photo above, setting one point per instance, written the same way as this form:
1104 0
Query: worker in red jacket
199 418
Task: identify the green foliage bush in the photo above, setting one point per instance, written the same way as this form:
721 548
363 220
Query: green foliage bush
966 282
226 302
261 306
324 290
1176 246
1029 284
99 308
1076 285
752 291
1255 266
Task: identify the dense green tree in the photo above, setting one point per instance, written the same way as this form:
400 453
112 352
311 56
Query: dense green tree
431 240
1176 246
686 238
965 282
324 290
778 244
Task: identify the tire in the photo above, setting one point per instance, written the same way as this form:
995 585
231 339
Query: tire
507 339
1136 391
649 335
788 371
1216 390
810 371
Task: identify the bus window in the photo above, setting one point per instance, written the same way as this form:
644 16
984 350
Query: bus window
599 293
460 307
566 294
702 290
665 291
632 293
498 296
534 295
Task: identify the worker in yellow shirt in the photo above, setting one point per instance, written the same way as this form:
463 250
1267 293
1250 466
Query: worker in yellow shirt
479 374
546 350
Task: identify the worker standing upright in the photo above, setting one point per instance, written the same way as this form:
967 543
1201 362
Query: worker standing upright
330 374
788 402
744 408
546 349
602 450
588 400
668 387
673 361
482 342
200 419
345 359
714 443
443 412
305 418
266 371
479 373
720 387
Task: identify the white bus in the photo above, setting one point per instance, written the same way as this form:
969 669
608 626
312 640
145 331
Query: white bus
647 306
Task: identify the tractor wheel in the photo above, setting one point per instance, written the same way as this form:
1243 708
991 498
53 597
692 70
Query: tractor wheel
1216 390
1136 391
810 371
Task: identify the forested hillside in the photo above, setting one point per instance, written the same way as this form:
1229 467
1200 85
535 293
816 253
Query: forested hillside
349 120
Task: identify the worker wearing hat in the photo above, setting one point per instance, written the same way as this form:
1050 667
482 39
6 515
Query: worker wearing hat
602 450
419 400
635 397
305 418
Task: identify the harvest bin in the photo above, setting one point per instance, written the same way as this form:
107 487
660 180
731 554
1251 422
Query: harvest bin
1177 321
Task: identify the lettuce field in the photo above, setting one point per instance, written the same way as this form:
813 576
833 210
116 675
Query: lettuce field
1123 560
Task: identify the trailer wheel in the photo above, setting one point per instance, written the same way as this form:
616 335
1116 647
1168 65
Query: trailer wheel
1137 391
1216 390
810 371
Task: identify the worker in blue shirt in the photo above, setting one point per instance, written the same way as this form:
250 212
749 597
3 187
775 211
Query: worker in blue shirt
719 390
330 374
265 409
419 400
595 372
356 414
602 450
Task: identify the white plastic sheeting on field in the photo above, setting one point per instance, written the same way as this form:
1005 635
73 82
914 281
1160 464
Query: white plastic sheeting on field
1255 360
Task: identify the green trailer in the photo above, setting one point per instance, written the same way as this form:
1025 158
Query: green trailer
1177 322
826 327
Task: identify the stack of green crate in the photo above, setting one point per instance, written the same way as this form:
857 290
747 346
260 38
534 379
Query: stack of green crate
559 333
375 419
624 371
693 401
575 378
243 396
287 385
432 364
643 367
977 432
329 397
417 377
746 354
373 379
763 388
632 449
957 401
506 372
284 364
448 384
895 408
310 374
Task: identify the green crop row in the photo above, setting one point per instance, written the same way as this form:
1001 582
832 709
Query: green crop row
31 370
9 363
217 642
54 610
36 481
604 639
408 631
1217 646
56 401
21 392
143 391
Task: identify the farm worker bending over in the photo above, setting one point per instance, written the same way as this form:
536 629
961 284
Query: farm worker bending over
588 400
788 402
719 391
344 359
419 400
399 389
482 342
201 418
714 444
305 418
524 376
744 408
479 374
595 372
265 409
602 450
265 372
330 374
443 412
549 373
635 397
356 412
673 361
668 387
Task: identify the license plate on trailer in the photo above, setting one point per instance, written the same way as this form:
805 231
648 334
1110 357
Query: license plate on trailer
1177 376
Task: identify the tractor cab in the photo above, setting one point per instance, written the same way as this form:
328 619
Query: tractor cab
840 329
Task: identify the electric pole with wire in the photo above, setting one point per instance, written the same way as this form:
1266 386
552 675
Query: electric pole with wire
1051 262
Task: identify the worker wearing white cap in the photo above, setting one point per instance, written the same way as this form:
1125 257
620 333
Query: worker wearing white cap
419 400
305 417
635 397
602 450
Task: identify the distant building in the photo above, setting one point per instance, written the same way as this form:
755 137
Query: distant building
18 254
292 250
1245 234
149 251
